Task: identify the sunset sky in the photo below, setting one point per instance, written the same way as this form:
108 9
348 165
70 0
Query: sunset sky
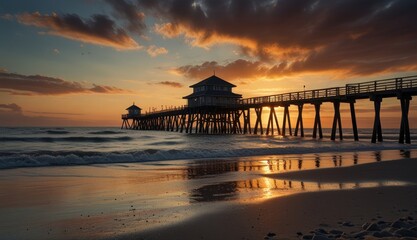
82 62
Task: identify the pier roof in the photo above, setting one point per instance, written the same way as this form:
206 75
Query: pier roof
214 94
133 107
213 81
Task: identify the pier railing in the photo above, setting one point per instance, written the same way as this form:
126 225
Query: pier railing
348 89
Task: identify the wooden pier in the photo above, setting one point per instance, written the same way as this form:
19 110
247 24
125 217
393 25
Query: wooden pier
235 118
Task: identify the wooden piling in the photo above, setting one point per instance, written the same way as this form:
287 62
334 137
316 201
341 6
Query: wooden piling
405 127
271 120
258 111
317 121
286 117
353 117
299 124
377 130
337 121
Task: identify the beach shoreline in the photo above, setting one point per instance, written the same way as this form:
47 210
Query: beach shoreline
298 213
241 198
344 210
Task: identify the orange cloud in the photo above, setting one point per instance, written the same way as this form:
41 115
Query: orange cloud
170 84
154 51
200 38
18 84
348 37
11 107
99 29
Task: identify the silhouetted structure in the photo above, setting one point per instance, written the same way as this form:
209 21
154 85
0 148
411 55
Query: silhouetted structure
214 109
132 113
212 91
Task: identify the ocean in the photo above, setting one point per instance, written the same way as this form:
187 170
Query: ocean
38 147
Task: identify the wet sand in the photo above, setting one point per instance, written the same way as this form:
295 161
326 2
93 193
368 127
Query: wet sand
296 213
303 212
244 198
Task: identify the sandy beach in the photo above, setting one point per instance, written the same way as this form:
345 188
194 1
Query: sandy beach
344 210
260 197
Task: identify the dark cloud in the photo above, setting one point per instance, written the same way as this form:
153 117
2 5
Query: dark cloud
55 113
99 29
351 37
170 84
12 115
235 70
41 85
127 10
13 107
17 118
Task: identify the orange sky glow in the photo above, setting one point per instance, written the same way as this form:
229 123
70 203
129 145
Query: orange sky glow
81 63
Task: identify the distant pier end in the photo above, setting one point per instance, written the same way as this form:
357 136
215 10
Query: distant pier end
214 109
133 112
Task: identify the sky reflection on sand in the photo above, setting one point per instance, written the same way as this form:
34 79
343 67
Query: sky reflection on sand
99 201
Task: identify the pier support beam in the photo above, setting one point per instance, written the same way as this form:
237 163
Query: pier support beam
299 124
405 127
246 121
317 121
377 130
337 122
286 116
353 116
125 124
272 118
258 112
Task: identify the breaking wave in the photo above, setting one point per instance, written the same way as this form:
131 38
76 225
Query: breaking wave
105 132
68 158
65 139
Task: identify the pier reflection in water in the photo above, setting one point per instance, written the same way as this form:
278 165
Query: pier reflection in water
264 188
254 187
276 164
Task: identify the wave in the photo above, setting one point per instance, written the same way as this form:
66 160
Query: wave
105 132
57 132
64 139
165 143
68 158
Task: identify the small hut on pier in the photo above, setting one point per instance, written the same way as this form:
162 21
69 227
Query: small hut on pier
212 91
133 111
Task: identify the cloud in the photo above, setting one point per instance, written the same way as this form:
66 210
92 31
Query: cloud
154 51
239 69
170 84
11 107
12 115
99 29
128 11
292 37
55 113
106 89
18 84
7 16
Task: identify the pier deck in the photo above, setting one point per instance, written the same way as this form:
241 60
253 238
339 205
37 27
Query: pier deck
236 118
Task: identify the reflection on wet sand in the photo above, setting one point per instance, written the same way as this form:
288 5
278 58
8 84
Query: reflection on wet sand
260 188
264 188
275 164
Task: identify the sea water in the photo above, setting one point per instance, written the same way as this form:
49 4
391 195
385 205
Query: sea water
36 147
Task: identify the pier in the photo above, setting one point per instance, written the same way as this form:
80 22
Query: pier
214 109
